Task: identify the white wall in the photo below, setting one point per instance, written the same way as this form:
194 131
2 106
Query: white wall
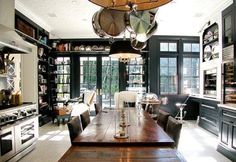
29 76
216 63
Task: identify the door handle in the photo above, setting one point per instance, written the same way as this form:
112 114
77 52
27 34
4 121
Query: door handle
99 91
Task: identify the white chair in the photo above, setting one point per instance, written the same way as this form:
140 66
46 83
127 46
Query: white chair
125 96
88 97
78 109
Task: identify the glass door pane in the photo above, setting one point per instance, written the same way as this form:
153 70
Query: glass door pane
88 73
110 80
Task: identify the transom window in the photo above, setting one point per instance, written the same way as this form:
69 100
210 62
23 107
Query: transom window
191 47
168 47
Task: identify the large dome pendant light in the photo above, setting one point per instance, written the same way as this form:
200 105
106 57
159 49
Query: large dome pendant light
123 51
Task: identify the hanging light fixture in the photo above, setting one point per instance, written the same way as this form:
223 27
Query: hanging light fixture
128 5
135 16
123 51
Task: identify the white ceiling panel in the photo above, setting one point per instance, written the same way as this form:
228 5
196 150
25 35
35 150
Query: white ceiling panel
72 18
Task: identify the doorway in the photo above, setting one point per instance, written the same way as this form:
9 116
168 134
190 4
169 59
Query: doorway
101 74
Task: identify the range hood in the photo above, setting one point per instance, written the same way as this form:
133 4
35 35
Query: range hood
10 41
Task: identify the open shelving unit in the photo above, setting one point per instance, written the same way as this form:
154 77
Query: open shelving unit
35 34
62 78
211 43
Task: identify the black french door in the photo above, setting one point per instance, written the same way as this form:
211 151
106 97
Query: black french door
98 73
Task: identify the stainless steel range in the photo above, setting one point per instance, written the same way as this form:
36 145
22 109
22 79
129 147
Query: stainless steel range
18 131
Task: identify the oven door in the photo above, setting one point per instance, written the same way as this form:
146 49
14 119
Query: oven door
26 133
7 143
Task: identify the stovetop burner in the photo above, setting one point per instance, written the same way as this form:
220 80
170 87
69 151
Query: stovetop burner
9 116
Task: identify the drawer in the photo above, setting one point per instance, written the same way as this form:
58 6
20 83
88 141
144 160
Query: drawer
209 118
229 115
210 103
209 111
209 107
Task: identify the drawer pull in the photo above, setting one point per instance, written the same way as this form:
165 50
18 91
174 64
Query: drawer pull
231 116
204 118
210 107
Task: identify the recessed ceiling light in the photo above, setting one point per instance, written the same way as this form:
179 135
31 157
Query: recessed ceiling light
52 14
74 2
198 14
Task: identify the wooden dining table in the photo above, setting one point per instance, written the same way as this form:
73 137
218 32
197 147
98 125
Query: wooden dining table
142 130
146 140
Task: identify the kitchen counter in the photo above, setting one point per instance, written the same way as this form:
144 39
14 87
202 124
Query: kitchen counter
228 106
204 97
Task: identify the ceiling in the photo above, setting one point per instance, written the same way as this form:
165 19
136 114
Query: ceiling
72 18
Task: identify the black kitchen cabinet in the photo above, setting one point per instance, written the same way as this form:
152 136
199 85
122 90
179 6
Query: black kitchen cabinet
227 132
228 25
208 116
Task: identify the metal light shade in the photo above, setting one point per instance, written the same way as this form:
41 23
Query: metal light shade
126 5
123 51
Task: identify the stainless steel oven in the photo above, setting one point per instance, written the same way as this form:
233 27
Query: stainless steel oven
7 143
26 133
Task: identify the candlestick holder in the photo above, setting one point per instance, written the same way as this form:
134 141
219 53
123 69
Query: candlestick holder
121 126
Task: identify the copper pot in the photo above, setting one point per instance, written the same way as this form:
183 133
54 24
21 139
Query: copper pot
96 26
112 22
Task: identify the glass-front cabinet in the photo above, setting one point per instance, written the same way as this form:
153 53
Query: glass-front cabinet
228 26
136 80
62 78
229 83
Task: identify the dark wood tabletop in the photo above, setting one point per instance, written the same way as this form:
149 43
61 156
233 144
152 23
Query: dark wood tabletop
143 131
121 154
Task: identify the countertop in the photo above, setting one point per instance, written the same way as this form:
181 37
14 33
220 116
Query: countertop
204 97
228 106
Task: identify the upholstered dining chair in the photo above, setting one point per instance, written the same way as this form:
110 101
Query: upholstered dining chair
125 99
74 127
85 119
173 129
88 98
162 118
98 108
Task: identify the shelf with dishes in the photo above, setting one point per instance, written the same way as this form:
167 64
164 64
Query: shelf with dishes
62 78
78 47
211 43
136 76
